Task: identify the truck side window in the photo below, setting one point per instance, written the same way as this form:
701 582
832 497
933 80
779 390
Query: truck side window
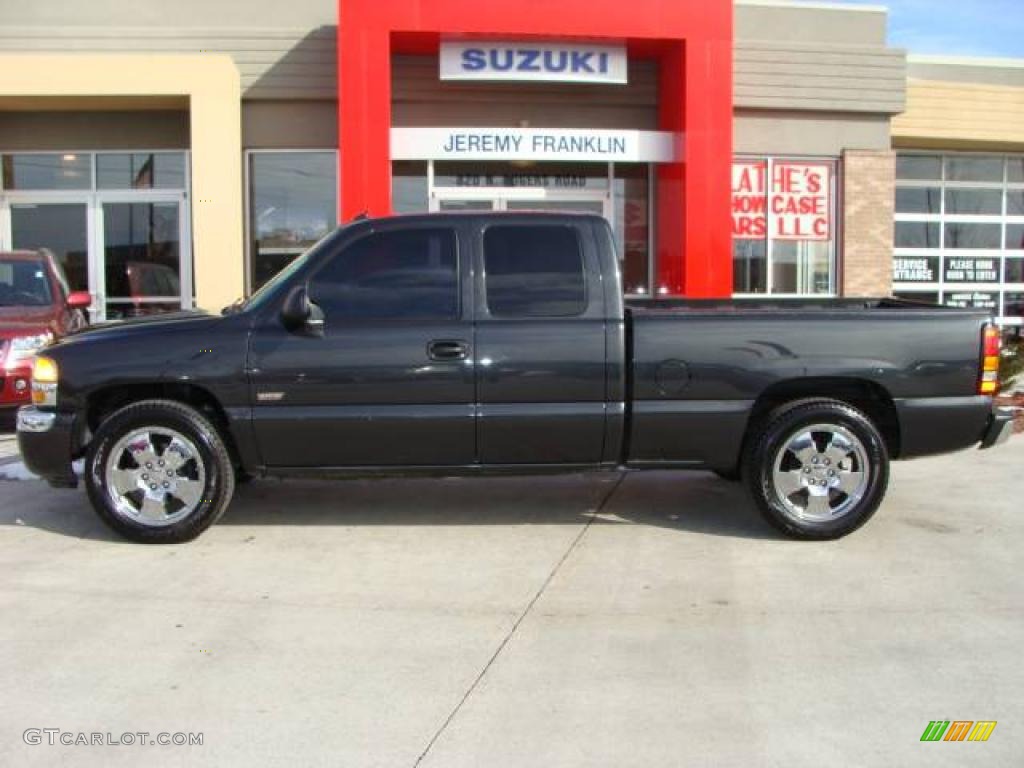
534 271
407 273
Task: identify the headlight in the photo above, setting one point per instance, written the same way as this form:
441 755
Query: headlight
44 382
24 347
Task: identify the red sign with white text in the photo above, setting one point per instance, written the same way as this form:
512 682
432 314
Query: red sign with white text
796 207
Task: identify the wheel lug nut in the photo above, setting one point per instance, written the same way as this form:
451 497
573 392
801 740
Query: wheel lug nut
152 487
149 465
145 477
167 485
161 463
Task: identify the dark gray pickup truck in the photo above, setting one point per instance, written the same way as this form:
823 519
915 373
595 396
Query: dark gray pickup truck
475 343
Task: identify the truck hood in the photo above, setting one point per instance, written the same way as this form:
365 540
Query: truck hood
134 327
25 321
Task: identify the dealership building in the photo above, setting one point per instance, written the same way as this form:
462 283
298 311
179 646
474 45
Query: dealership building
180 154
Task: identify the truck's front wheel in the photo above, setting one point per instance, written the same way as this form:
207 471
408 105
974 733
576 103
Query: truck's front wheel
157 471
817 469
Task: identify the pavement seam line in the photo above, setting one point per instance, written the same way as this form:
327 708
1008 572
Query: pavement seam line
522 616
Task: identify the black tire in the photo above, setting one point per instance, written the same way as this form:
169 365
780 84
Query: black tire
834 513
731 475
217 479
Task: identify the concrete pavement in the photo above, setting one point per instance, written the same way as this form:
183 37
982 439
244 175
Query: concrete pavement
564 621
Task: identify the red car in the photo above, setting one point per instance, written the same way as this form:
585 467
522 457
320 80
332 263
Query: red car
35 308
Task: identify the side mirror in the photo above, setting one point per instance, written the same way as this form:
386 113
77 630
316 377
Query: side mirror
298 312
79 300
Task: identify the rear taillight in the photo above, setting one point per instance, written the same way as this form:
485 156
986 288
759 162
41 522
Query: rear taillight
988 384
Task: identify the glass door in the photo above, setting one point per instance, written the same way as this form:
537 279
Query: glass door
143 246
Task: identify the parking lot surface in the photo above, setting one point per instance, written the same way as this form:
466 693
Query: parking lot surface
557 621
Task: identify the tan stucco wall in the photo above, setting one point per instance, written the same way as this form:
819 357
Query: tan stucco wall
212 86
954 115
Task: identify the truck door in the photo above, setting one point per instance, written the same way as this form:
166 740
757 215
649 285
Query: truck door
540 336
389 381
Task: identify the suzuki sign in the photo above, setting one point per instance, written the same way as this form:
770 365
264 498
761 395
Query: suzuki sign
550 62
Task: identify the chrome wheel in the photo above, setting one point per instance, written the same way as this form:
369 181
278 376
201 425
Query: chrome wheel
821 472
155 476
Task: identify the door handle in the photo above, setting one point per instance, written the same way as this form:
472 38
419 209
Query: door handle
447 349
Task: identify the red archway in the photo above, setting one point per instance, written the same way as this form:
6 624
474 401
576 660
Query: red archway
691 41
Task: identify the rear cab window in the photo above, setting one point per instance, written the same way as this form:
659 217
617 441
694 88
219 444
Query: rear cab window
534 271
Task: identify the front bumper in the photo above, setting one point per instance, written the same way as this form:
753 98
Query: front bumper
999 429
46 440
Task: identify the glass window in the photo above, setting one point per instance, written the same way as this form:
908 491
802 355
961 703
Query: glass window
47 171
783 226
924 167
409 187
800 266
402 274
917 234
749 266
974 168
1015 202
1015 170
293 204
977 202
632 226
1014 305
960 235
161 170
1015 237
918 200
534 271
930 297
1014 269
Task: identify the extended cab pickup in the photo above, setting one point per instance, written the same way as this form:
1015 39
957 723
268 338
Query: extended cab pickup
469 343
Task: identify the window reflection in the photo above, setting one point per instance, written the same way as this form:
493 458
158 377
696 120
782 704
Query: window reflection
293 204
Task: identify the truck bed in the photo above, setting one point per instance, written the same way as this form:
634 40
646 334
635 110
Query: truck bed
701 369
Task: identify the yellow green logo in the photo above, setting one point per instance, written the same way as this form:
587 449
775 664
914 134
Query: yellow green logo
958 730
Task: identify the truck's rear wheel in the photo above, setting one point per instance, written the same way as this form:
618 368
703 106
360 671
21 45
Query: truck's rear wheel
157 471
817 469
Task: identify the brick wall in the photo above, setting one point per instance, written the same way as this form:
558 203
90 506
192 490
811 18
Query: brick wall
869 181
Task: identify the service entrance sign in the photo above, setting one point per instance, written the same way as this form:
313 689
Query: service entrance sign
795 206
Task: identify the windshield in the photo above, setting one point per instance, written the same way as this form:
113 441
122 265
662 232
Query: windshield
269 288
24 283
